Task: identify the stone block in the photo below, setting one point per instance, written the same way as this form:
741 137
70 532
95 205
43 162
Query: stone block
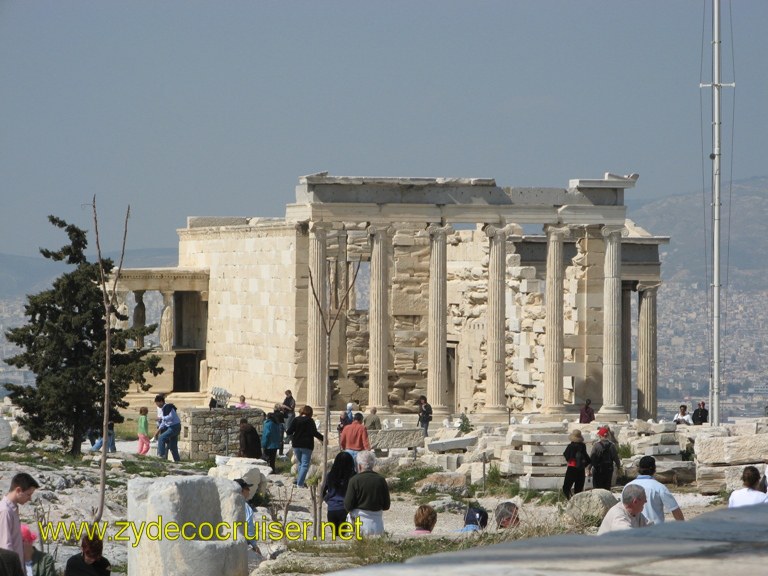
710 479
529 482
510 468
181 499
443 482
530 285
732 450
396 438
663 427
543 459
544 438
461 443
590 507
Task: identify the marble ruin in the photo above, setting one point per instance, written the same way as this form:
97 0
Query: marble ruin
455 299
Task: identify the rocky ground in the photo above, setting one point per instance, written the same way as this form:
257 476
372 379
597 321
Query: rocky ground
70 493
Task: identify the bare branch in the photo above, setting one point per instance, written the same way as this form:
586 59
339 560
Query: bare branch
108 299
343 302
317 301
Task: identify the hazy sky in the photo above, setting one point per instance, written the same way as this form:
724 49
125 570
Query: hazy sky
181 107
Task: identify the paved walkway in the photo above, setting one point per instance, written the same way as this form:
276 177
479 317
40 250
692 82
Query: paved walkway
726 542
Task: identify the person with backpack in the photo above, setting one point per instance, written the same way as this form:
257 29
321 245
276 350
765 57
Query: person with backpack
170 427
602 460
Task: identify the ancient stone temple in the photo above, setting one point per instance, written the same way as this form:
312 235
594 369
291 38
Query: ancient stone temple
484 298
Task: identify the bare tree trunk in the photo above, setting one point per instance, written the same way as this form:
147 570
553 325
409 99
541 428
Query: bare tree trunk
328 328
108 306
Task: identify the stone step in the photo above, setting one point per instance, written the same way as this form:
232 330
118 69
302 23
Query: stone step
541 483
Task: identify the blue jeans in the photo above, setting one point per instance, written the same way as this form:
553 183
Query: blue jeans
353 453
304 456
169 440
110 443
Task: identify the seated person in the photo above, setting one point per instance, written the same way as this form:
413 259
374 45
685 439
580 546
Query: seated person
424 520
475 520
507 515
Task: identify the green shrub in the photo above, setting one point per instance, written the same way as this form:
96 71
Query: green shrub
409 476
625 451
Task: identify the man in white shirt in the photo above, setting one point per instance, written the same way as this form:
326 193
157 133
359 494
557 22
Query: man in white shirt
659 497
626 514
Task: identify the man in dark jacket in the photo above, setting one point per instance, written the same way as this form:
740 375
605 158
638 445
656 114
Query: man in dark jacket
700 415
250 443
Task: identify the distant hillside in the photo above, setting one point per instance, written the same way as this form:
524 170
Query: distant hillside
686 219
21 275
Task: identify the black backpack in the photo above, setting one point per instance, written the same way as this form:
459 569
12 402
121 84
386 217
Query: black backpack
605 457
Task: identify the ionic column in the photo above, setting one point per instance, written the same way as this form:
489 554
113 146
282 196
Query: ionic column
626 347
378 318
647 374
495 390
139 315
612 397
437 371
317 367
553 351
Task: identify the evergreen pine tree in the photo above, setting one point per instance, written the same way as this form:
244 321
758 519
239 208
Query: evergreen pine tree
64 345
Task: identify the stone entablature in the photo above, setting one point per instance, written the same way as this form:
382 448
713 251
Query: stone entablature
207 433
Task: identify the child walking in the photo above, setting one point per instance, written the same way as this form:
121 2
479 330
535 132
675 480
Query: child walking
143 429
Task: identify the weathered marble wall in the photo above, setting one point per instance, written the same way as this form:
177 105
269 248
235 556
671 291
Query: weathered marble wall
257 308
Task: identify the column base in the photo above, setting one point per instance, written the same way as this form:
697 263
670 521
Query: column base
554 409
494 410
440 411
611 409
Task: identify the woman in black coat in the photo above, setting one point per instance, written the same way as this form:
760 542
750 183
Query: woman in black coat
577 457
303 430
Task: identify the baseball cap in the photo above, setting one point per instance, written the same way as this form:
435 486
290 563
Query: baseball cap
602 432
243 483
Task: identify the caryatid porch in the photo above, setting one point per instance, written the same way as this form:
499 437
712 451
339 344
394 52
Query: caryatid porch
325 203
182 323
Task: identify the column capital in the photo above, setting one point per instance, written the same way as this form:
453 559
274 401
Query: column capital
648 287
557 230
380 229
438 229
320 229
492 229
613 229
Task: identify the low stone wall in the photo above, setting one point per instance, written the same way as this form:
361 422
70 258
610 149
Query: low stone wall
206 433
